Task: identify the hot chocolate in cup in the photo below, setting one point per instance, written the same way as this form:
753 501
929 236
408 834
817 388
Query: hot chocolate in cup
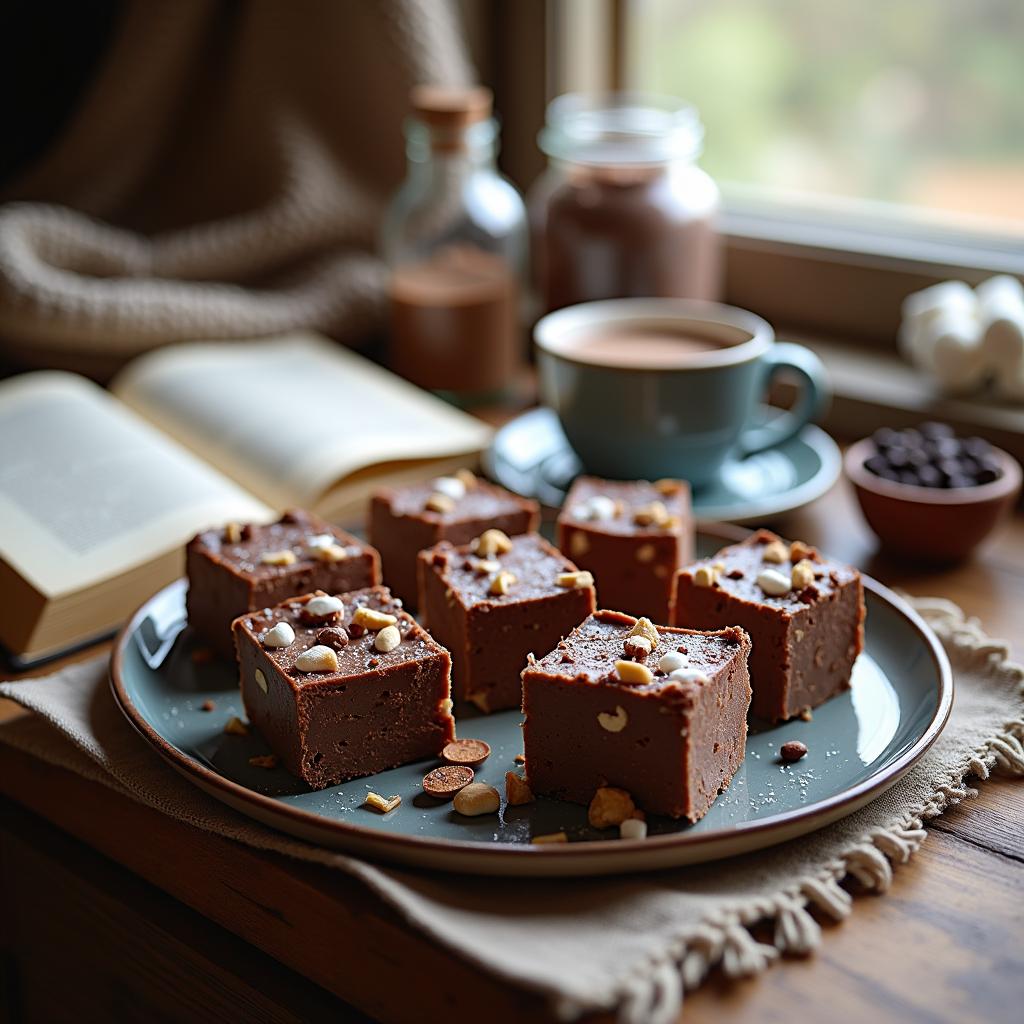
647 388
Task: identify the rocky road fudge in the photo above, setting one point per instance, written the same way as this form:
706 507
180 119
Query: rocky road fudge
632 536
342 686
406 520
804 614
496 600
240 567
658 712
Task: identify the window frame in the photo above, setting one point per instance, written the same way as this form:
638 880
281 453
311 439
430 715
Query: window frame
839 276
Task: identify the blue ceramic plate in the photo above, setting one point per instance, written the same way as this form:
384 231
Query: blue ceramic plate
859 744
531 456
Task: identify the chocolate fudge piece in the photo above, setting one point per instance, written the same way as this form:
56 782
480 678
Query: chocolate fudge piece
632 536
493 602
344 686
671 730
242 567
805 616
406 520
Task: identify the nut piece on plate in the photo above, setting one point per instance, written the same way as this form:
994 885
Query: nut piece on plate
236 727
633 828
550 837
792 750
444 782
468 752
264 761
517 791
382 803
610 806
476 799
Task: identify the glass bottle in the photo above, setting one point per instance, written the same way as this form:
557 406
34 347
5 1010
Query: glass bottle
455 238
623 209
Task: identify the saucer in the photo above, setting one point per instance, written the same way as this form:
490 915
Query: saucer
531 456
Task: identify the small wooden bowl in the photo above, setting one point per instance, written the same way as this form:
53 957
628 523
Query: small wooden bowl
931 524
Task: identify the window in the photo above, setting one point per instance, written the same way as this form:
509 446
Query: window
862 112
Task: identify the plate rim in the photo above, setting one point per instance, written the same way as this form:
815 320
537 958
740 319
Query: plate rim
462 854
813 436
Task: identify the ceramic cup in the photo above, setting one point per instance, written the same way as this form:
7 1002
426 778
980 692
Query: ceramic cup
683 419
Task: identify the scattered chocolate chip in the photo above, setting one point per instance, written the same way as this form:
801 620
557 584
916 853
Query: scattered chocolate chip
444 782
735 574
792 750
466 752
808 595
567 658
208 705
332 636
932 456
247 531
355 630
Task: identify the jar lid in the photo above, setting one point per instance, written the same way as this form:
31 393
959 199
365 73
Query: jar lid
444 106
621 128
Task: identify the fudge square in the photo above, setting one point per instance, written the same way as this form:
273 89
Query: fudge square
406 520
238 568
344 685
669 726
632 536
805 616
495 601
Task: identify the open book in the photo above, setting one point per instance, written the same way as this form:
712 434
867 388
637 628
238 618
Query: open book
100 491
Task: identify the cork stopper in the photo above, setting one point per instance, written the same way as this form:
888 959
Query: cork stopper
451 107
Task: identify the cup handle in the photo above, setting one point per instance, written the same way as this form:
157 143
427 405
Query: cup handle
812 398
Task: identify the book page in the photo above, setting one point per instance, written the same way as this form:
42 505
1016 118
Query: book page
88 490
289 418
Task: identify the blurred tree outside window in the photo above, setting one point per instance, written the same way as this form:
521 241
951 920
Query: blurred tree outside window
916 106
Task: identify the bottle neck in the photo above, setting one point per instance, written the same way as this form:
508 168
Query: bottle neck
436 154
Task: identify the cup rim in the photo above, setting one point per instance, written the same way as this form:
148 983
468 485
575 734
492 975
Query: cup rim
551 329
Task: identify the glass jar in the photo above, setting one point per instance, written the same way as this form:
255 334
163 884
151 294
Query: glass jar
455 238
623 210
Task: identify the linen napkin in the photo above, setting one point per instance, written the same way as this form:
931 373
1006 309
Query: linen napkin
632 944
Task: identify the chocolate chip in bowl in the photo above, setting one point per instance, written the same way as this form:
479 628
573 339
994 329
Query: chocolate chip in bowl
929 495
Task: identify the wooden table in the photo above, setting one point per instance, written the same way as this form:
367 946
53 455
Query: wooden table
140 918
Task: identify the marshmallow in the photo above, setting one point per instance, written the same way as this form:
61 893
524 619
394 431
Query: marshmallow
1001 318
